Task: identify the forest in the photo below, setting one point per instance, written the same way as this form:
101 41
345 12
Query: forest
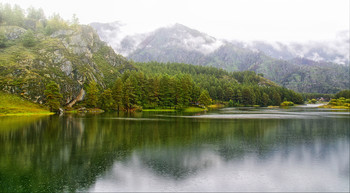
177 86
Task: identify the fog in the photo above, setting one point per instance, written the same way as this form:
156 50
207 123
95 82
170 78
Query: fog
246 20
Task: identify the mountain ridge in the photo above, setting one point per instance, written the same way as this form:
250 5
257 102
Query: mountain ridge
182 44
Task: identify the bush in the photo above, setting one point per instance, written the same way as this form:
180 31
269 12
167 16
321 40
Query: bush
312 101
340 102
287 103
29 39
3 40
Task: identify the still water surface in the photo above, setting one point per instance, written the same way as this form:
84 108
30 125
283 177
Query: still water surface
232 149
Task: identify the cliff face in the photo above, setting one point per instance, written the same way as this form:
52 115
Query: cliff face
70 57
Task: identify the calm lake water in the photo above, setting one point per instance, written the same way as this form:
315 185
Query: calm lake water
231 149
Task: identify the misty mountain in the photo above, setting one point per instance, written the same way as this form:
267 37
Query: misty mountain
336 51
314 67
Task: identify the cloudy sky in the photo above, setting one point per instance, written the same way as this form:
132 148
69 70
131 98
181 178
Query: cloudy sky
273 20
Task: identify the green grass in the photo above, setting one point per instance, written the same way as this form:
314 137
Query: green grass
334 107
194 110
216 106
159 110
12 105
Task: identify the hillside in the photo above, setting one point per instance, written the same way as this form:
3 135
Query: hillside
14 105
37 50
281 64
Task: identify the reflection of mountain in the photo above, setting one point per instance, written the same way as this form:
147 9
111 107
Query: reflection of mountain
73 153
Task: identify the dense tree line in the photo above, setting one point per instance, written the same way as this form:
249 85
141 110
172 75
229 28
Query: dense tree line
135 90
343 93
243 88
156 85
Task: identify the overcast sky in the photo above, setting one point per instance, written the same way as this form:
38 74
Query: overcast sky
272 20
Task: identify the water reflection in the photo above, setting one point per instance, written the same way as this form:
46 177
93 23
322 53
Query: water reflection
148 152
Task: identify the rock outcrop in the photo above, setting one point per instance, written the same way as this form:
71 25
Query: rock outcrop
70 57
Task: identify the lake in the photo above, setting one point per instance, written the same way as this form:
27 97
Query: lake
230 149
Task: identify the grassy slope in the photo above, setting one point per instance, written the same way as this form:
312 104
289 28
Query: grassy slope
14 105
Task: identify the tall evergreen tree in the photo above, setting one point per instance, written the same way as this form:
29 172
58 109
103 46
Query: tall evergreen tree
117 93
204 98
128 94
265 100
276 98
92 95
53 96
106 100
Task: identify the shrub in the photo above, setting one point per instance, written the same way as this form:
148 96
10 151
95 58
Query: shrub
287 103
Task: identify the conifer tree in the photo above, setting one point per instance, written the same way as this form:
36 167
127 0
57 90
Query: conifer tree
106 100
128 94
265 100
276 98
117 93
92 94
204 98
53 96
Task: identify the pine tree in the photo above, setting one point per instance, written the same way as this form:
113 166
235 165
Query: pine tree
153 92
246 96
53 96
238 96
117 93
196 92
92 95
204 98
276 98
106 100
165 91
265 99
128 94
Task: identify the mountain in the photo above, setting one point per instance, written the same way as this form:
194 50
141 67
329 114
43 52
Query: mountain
312 69
336 51
71 55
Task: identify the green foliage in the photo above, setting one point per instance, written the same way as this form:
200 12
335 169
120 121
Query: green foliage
11 104
11 15
35 14
248 96
55 23
169 86
204 98
343 93
194 110
339 103
313 101
117 92
276 98
287 103
3 40
265 100
243 88
53 96
29 39
107 102
128 94
92 95
230 103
